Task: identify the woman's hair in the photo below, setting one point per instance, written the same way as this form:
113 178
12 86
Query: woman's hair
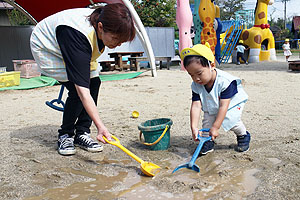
198 59
116 19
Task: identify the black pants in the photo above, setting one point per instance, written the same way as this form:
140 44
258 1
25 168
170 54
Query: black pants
240 55
75 118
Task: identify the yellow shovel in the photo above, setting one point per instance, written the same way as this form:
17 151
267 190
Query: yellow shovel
148 168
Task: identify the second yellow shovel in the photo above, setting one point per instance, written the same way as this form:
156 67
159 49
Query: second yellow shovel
148 168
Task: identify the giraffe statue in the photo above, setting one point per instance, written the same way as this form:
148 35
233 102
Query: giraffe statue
197 23
207 14
259 38
184 21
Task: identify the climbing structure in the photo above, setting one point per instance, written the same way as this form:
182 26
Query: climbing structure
247 16
229 39
218 29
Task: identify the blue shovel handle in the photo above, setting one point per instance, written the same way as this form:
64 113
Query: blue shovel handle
58 101
191 164
202 140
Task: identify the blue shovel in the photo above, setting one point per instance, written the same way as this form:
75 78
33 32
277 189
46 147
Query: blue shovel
58 101
191 164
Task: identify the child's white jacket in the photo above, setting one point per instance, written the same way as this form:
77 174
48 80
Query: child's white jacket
211 101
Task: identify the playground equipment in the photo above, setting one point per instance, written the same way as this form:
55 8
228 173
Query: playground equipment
229 39
218 33
197 23
203 16
247 16
184 20
207 13
259 38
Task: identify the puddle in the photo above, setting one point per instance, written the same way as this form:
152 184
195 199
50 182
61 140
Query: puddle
131 185
249 182
151 192
108 161
235 187
101 186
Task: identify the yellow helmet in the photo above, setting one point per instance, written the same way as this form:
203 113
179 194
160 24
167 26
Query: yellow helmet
241 41
198 50
287 40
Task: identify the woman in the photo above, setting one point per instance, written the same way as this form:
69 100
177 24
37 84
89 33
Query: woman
65 46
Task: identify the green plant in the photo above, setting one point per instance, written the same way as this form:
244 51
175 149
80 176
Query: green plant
17 18
156 13
228 8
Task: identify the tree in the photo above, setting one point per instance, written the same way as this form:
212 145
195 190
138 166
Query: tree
284 1
282 33
17 18
228 8
271 19
158 13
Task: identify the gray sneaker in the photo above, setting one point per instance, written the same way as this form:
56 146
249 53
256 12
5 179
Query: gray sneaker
66 145
85 142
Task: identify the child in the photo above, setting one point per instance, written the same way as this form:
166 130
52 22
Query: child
286 49
220 96
240 49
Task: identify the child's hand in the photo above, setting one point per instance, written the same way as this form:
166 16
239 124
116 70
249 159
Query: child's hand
195 133
214 133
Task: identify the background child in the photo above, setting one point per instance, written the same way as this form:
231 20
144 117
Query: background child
219 95
240 49
286 49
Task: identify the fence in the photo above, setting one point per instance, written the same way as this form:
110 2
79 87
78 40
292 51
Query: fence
294 43
15 45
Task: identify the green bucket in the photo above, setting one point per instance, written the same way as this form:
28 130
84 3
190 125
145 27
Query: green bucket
156 133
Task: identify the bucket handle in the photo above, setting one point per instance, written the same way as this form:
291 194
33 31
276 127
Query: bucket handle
158 139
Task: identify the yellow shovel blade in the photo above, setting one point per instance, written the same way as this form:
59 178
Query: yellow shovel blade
149 169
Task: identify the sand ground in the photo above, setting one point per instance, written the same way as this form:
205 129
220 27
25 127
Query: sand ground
32 169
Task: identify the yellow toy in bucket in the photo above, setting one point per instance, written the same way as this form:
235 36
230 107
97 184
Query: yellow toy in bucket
135 114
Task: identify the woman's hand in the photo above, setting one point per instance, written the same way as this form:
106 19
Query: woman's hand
103 132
